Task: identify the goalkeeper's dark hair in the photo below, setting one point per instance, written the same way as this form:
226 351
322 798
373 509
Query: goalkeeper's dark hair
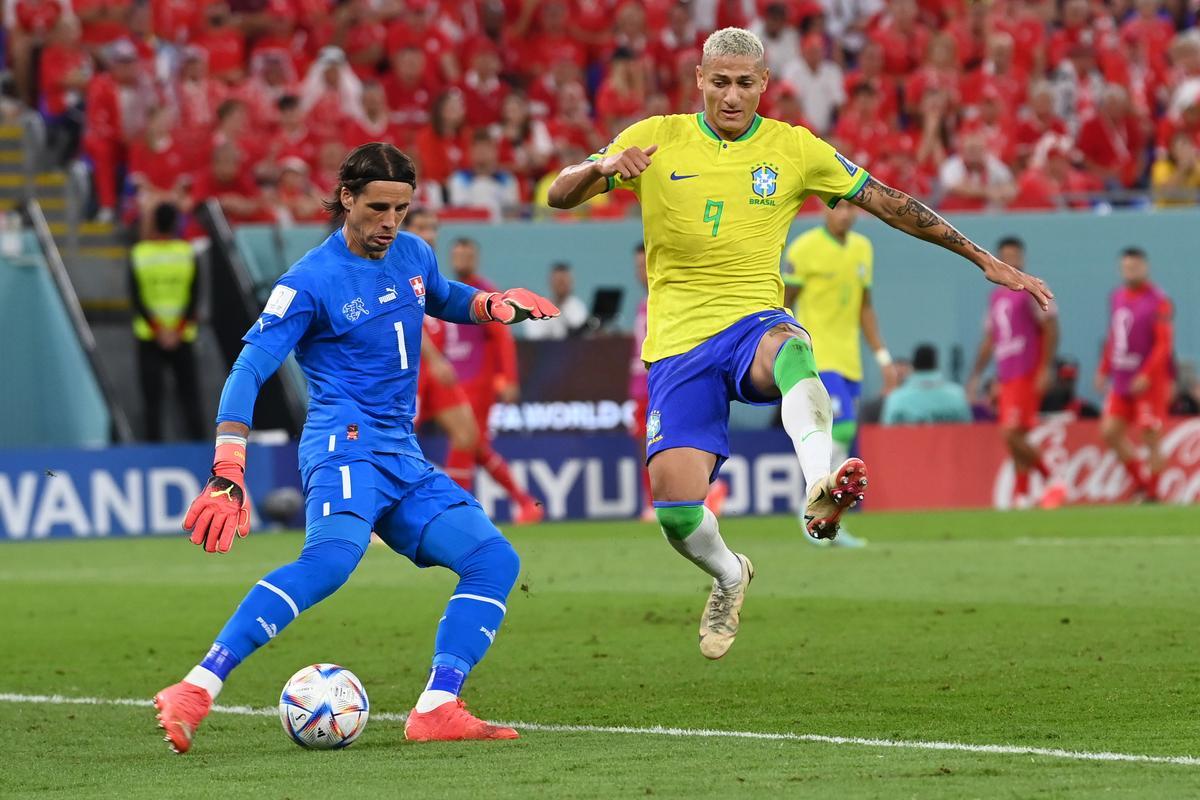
374 161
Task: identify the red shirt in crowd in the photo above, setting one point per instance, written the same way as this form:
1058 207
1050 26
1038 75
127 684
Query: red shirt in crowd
107 28
163 165
365 46
1039 191
1111 146
175 20
483 98
904 51
241 185
103 118
58 63
299 143
37 16
226 50
440 156
1154 33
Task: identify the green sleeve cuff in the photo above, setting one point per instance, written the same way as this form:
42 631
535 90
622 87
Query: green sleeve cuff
858 184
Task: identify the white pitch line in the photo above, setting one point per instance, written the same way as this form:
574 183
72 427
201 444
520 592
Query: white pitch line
658 730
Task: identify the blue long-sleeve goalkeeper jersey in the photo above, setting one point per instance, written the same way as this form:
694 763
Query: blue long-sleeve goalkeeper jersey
355 326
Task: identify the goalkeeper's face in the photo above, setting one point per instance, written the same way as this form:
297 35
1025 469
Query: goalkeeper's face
374 216
732 87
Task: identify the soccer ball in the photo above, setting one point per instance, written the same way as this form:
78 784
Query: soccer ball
323 707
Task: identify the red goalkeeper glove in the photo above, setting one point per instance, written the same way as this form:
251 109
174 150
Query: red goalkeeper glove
223 507
514 305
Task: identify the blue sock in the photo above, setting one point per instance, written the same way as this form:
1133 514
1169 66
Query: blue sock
464 540
446 679
476 609
220 661
323 565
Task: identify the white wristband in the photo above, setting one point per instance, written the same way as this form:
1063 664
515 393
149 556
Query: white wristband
882 357
230 438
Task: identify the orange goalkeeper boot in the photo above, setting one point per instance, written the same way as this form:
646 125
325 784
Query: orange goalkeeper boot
181 709
451 722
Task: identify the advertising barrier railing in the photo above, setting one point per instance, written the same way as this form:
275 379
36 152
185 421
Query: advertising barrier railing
139 490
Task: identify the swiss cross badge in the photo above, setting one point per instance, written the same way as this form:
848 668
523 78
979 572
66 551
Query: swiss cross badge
418 286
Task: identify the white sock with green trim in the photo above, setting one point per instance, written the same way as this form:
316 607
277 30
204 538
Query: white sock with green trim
705 548
808 420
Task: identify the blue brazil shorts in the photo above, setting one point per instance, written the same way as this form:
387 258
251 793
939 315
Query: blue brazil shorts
690 393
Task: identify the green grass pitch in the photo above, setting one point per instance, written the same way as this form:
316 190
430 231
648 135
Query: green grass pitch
1072 630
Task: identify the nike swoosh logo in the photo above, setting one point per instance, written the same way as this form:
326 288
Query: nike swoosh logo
675 177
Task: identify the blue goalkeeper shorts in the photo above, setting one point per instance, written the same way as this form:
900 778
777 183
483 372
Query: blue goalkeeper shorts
690 393
397 494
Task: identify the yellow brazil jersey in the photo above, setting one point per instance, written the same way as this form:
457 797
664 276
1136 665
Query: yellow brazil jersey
715 216
834 276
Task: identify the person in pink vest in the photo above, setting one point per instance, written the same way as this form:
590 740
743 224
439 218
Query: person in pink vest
1023 339
1136 368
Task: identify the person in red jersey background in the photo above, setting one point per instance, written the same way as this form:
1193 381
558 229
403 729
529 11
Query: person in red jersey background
485 360
1136 368
440 397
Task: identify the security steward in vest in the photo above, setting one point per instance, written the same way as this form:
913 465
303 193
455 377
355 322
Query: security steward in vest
164 288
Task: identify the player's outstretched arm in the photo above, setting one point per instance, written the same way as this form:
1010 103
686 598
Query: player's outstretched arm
581 182
511 306
905 213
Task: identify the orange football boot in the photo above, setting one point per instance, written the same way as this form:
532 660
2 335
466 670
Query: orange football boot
181 709
451 722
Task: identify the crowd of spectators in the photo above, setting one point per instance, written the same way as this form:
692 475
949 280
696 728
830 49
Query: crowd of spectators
975 104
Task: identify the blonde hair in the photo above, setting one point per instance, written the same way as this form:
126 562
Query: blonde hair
733 42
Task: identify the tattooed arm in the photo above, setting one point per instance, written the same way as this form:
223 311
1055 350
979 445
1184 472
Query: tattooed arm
907 214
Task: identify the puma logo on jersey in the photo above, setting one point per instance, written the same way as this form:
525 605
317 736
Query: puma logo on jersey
491 635
389 296
268 627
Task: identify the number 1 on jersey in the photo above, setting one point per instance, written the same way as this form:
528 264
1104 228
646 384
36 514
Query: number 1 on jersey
712 213
399 326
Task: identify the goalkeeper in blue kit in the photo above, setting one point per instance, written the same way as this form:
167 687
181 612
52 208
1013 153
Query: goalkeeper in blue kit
352 309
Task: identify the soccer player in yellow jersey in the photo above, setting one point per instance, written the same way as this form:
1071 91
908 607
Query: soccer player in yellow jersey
718 192
827 273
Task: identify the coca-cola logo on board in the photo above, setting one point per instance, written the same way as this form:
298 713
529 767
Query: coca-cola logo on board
1092 473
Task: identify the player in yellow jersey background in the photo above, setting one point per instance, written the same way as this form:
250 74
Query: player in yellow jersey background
718 192
827 272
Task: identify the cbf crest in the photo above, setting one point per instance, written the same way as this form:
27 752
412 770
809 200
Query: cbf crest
355 309
653 426
764 180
